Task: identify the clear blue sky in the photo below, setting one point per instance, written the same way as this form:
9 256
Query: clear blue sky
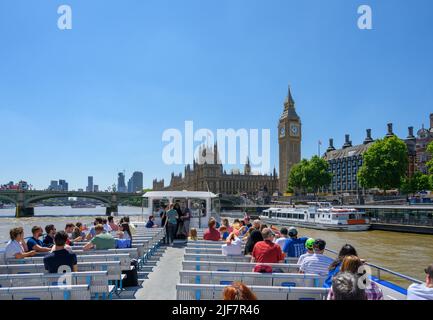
95 100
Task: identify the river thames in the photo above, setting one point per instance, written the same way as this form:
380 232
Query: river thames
401 252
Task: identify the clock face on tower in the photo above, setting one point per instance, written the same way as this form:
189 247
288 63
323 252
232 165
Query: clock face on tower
282 131
294 129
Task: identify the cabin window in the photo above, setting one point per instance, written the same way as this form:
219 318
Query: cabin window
311 215
301 216
145 202
351 216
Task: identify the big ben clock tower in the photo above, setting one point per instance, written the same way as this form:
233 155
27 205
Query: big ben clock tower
289 140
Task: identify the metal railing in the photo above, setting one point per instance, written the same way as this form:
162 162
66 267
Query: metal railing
379 269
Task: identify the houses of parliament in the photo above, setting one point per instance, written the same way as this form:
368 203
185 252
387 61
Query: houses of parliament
203 176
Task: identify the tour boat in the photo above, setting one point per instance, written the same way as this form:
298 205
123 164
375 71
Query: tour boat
317 215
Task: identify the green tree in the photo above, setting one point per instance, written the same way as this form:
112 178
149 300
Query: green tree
296 177
309 175
384 164
418 182
317 174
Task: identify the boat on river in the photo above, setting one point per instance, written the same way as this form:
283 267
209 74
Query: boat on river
317 215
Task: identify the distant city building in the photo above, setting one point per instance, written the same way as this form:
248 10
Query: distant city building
60 185
424 137
345 163
121 187
202 176
63 185
80 190
136 182
89 187
95 188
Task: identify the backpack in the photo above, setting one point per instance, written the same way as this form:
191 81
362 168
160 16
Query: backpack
123 243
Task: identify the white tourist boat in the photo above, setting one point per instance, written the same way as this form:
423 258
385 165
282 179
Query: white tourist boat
203 205
317 215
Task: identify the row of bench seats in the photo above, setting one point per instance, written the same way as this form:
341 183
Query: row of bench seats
206 272
26 279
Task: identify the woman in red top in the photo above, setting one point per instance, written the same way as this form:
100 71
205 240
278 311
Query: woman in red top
212 233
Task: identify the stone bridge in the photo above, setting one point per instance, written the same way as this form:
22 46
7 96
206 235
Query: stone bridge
25 200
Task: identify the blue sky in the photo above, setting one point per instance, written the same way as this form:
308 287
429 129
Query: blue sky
95 100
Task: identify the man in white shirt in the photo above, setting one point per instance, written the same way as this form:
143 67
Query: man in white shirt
309 245
317 263
233 246
422 291
281 241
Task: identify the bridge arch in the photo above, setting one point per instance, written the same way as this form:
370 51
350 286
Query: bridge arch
4 197
35 199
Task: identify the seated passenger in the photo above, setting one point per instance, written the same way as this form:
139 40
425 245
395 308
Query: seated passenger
281 241
225 223
294 247
125 231
151 222
238 291
353 264
345 287
69 229
224 233
422 291
92 231
233 246
193 234
34 243
254 237
267 251
16 247
101 241
107 227
50 231
309 245
78 234
113 226
318 263
132 228
61 259
334 268
212 233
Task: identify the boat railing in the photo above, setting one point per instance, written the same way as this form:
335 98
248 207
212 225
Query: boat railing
380 270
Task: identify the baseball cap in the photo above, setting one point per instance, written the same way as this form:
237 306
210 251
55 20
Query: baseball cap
309 244
293 231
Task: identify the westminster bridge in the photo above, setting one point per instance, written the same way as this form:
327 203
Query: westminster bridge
25 200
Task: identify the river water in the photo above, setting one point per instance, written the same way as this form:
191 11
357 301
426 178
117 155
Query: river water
401 252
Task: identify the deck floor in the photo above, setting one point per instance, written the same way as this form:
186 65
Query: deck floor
162 281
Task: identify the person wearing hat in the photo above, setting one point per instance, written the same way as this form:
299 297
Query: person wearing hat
294 247
422 291
318 263
309 245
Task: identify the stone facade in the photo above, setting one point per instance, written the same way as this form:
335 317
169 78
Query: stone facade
203 176
345 163
424 137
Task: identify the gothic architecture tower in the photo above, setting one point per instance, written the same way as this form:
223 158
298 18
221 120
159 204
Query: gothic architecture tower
289 140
